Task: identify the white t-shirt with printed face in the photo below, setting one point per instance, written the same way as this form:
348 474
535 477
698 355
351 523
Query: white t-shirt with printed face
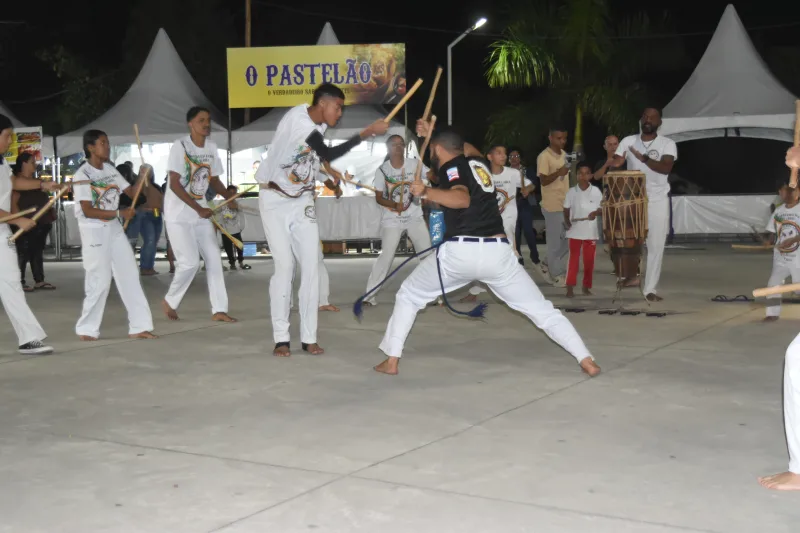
196 166
505 188
657 184
103 192
291 163
580 204
6 190
785 223
394 183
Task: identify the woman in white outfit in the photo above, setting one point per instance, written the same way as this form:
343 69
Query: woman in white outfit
105 251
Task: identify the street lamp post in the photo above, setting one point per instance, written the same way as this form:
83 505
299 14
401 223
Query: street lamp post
469 30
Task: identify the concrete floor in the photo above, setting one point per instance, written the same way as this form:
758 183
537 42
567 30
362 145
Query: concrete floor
490 427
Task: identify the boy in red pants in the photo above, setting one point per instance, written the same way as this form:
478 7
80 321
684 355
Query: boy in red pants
581 208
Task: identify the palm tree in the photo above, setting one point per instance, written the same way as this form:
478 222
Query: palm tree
582 61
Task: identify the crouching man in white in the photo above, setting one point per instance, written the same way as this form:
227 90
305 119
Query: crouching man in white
105 251
29 333
475 249
194 165
401 211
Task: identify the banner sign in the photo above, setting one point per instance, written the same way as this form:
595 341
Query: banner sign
286 76
25 140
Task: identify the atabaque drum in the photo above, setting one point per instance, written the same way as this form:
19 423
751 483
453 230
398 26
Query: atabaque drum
625 220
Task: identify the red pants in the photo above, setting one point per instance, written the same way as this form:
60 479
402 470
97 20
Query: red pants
589 249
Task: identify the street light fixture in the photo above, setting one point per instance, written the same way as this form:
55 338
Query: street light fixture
469 30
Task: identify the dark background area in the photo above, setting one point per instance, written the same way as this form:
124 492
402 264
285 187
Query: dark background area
110 41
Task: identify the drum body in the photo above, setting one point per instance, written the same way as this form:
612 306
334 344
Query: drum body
625 219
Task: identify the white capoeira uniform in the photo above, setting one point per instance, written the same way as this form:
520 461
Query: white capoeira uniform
791 403
785 224
506 184
324 283
106 254
657 200
190 235
470 253
290 220
22 320
394 183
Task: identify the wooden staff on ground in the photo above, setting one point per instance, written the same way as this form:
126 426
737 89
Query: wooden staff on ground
403 101
41 212
778 289
752 247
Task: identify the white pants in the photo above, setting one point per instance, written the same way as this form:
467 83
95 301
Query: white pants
390 237
657 231
791 403
290 225
189 241
780 271
509 227
22 320
324 283
493 263
106 254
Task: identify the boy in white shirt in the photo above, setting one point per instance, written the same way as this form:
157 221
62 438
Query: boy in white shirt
784 224
581 209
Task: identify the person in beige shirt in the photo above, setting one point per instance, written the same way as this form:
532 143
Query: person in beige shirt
553 171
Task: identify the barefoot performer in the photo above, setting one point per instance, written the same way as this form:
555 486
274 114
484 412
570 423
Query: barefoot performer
790 480
286 201
29 333
105 251
784 225
194 165
475 248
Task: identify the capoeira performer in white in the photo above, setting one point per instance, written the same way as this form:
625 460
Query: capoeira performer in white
401 211
475 248
193 166
506 182
654 155
790 480
29 333
287 179
106 253
784 225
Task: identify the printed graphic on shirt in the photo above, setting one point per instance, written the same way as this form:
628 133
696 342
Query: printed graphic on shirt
502 199
482 175
787 229
105 195
397 187
303 165
311 212
196 177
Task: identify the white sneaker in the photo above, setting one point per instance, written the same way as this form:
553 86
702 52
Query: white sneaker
35 348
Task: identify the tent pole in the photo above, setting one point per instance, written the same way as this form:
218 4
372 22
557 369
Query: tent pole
230 149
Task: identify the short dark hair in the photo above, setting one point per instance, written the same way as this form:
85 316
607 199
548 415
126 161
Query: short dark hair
583 164
22 158
492 148
232 187
326 90
515 149
654 108
194 111
126 172
5 123
557 127
89 138
448 139
389 140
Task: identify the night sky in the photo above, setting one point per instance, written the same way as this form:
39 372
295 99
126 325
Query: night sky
110 36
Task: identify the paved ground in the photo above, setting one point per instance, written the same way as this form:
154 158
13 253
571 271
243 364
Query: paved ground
489 428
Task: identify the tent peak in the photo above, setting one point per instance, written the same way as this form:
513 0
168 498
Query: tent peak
327 36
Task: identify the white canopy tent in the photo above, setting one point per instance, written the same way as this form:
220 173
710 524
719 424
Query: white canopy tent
47 141
157 101
730 93
250 142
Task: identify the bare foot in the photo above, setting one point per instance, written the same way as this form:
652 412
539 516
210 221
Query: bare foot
590 367
469 298
389 366
169 311
313 349
784 481
570 292
587 292
632 282
653 297
222 317
281 351
87 338
143 335
771 318
330 307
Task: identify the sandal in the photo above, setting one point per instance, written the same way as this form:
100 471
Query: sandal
244 267
44 287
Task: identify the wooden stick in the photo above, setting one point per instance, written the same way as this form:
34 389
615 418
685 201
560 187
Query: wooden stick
359 184
428 107
41 212
403 101
402 185
139 145
142 181
229 200
780 289
236 242
17 215
418 172
793 174
752 247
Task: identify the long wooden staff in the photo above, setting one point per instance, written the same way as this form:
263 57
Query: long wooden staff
17 215
425 115
793 174
236 242
779 289
403 101
418 173
359 184
752 247
142 178
41 212
229 200
429 105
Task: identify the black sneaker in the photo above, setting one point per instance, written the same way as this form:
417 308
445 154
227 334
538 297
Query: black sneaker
233 266
35 348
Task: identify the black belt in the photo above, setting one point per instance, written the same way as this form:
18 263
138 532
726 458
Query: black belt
478 239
